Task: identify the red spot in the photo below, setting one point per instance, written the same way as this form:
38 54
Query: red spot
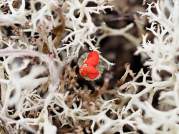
88 69
84 70
92 58
92 72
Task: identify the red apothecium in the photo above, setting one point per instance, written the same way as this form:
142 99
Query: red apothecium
88 68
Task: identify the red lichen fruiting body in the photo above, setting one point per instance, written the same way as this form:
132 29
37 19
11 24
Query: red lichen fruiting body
84 70
89 72
93 73
92 59
88 68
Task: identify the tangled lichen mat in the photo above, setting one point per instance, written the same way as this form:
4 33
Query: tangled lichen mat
89 67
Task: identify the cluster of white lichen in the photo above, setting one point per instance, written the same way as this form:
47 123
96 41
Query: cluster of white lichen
158 98
30 66
153 96
30 76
